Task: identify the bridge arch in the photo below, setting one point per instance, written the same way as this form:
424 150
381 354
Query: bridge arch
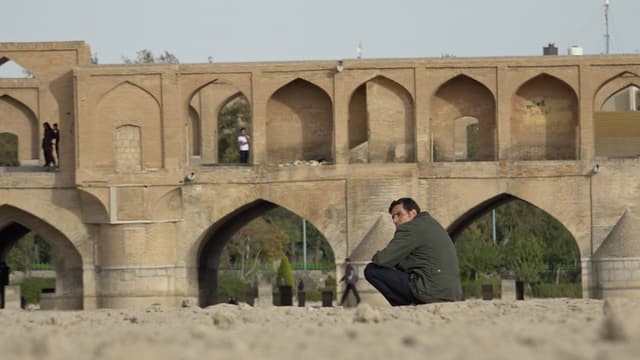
544 120
234 114
131 105
15 223
381 122
216 237
20 120
299 123
204 106
616 117
473 213
611 86
455 136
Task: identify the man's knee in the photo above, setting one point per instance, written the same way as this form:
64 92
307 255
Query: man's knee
370 271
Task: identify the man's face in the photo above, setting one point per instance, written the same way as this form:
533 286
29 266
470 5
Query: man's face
400 216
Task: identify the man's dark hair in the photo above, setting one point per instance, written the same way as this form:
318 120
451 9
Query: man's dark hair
407 203
242 129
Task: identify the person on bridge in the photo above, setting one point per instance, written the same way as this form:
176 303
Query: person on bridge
243 142
419 265
56 143
350 279
47 145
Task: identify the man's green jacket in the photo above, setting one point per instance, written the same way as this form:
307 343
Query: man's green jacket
423 248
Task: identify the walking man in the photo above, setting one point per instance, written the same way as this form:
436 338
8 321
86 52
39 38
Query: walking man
350 279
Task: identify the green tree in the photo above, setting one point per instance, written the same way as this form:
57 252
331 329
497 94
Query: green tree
145 56
255 243
525 255
21 257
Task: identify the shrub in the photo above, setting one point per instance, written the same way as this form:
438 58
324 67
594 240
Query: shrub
231 286
545 290
32 287
285 274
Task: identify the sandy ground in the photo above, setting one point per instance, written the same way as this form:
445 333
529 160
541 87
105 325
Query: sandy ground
473 329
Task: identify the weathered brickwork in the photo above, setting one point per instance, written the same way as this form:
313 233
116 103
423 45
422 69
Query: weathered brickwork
129 228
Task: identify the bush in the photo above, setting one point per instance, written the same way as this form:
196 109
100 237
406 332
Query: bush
231 286
473 288
32 287
545 290
285 274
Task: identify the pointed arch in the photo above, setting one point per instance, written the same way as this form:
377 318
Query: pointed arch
215 238
623 100
128 105
455 102
15 223
19 119
617 117
544 120
381 122
12 69
234 114
208 100
493 202
299 123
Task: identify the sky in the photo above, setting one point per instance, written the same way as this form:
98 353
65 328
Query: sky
282 30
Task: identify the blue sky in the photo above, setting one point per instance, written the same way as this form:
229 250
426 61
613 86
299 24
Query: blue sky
280 30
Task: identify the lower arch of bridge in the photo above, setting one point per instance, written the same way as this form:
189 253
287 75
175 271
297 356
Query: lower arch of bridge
458 226
67 262
215 239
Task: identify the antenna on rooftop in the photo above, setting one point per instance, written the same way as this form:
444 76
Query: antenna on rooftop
359 50
607 37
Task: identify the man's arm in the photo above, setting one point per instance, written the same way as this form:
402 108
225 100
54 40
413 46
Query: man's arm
398 248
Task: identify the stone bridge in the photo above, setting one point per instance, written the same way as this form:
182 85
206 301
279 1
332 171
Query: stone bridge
332 141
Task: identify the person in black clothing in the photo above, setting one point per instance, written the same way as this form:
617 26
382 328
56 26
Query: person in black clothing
350 278
47 145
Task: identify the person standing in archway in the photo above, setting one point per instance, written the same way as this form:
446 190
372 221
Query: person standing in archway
47 145
420 263
243 143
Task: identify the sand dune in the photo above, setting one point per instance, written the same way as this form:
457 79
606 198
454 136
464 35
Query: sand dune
473 329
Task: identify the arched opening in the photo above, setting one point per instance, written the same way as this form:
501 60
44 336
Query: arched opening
16 118
463 121
11 69
544 122
243 250
39 259
299 124
128 116
9 149
617 124
508 238
381 123
194 132
234 115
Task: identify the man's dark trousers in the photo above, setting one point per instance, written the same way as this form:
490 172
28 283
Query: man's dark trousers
392 283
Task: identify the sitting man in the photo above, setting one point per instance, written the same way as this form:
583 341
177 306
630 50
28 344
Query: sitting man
419 265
